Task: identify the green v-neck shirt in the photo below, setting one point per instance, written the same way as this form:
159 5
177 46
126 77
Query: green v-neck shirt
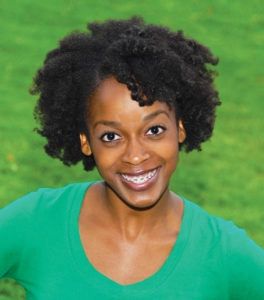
40 247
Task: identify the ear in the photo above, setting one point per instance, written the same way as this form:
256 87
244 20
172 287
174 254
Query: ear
181 132
85 146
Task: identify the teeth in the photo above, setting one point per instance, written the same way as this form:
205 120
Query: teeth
139 179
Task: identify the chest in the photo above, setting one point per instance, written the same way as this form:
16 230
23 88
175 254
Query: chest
124 261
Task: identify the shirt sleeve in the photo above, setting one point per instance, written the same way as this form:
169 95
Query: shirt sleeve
15 230
246 267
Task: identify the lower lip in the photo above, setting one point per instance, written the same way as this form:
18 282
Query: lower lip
142 186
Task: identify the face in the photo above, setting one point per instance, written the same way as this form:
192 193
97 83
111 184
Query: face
135 148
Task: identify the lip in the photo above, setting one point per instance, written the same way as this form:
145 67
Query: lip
137 186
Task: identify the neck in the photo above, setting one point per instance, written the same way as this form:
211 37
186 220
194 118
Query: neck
133 223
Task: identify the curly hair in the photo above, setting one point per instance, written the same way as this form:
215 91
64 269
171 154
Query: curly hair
154 62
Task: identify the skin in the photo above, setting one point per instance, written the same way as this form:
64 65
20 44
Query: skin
129 223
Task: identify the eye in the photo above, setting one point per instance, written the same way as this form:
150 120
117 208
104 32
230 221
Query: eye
156 130
110 137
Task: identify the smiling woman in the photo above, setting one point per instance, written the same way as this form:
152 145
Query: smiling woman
135 148
125 98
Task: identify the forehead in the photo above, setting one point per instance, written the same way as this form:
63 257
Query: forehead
112 99
108 87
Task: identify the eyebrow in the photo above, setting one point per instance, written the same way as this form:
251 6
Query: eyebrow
146 118
155 114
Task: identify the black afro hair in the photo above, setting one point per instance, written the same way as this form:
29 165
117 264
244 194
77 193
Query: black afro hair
154 62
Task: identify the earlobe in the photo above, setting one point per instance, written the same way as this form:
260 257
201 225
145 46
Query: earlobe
85 146
182 132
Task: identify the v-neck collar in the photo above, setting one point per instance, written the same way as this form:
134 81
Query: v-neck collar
86 269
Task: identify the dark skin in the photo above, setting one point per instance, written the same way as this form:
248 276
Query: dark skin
132 248
129 223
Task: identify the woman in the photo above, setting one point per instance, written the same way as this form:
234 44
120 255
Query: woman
125 98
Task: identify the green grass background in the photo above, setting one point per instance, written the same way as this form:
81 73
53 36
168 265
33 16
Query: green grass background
226 178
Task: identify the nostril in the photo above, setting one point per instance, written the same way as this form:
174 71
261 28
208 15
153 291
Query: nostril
135 154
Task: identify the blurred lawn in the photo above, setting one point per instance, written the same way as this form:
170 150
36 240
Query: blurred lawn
226 178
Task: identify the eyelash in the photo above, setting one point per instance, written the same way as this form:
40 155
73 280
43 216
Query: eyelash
103 136
115 137
159 127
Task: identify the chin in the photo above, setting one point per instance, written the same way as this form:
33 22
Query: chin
141 205
142 202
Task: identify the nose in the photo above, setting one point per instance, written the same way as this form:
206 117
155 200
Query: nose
135 153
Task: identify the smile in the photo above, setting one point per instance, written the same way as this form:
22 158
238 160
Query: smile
140 179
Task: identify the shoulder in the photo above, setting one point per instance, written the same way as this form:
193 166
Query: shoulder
37 207
44 198
210 226
241 258
25 222
206 223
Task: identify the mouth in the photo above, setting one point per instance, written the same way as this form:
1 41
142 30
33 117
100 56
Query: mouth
140 179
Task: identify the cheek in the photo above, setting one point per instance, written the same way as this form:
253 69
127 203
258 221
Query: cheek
168 148
105 159
169 152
